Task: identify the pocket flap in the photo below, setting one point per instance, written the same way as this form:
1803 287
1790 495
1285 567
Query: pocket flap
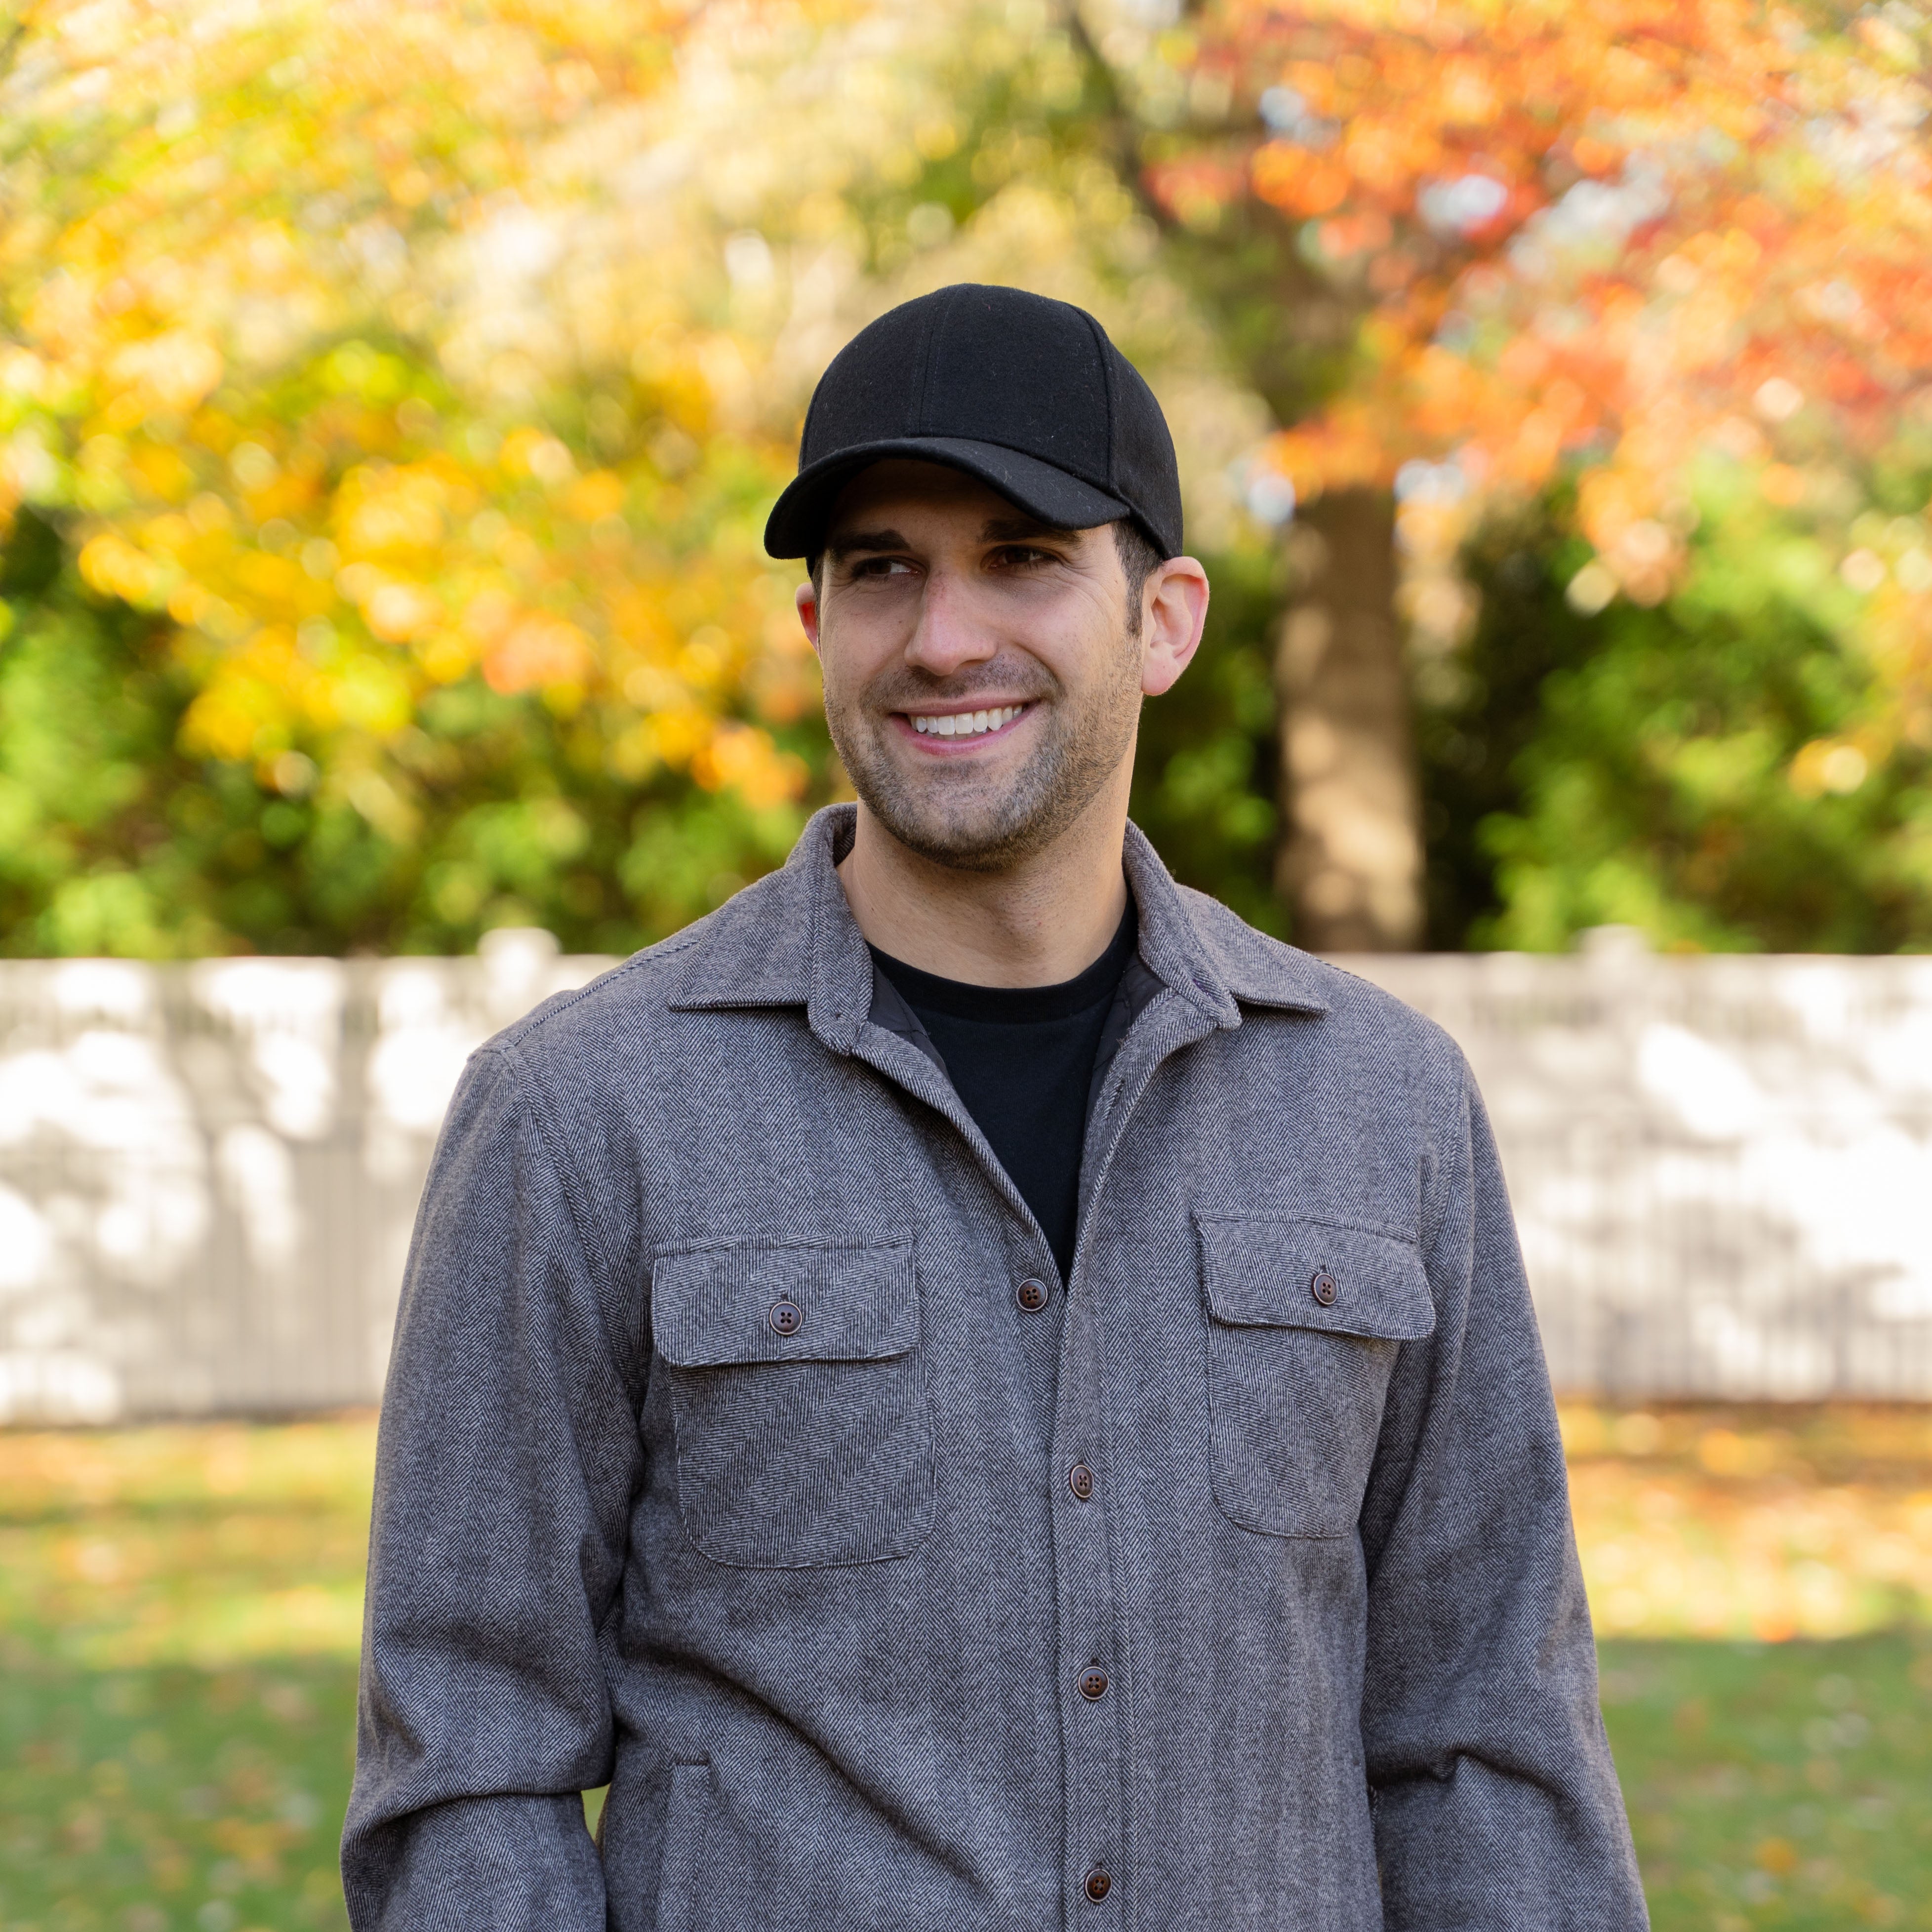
1264 1273
753 1302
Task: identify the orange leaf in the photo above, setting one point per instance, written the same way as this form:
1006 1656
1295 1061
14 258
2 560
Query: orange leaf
1298 181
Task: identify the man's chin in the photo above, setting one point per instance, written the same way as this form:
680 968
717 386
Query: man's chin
978 833
973 844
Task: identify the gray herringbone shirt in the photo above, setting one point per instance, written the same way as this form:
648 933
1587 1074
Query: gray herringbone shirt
1227 1585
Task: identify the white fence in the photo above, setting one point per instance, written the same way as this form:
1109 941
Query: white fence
207 1172
1722 1167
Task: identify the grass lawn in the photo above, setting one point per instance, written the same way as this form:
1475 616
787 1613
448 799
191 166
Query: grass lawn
1762 1584
179 1607
1777 1785
179 1617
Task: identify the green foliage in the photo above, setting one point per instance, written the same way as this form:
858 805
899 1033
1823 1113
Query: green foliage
1204 778
89 706
1478 712
1689 769
489 809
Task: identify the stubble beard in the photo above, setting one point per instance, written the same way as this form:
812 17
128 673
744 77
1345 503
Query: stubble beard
952 814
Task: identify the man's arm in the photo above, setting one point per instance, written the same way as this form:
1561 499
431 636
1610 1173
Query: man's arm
1496 1804
504 1473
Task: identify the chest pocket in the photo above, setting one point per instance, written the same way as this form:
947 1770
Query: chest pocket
1304 1321
799 1401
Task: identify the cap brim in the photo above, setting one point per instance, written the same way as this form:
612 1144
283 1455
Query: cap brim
796 526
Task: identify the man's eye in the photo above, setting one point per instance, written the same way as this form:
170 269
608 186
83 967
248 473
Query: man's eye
1021 556
881 566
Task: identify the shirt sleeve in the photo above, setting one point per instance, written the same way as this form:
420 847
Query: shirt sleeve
1496 1804
505 1464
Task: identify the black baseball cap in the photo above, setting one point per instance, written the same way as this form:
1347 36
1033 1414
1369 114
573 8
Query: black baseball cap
1025 393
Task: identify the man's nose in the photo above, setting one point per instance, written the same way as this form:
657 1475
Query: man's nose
951 632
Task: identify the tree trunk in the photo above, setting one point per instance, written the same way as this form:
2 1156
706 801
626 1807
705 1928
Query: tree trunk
1351 860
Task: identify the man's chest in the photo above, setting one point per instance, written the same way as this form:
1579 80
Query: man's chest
859 1334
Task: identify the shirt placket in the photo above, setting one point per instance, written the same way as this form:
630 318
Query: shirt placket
1096 1686
1093 1686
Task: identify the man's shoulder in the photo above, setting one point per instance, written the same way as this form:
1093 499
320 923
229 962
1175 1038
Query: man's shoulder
641 1001
1357 1015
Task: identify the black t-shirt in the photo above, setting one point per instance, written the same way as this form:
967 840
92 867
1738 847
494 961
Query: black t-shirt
1021 1059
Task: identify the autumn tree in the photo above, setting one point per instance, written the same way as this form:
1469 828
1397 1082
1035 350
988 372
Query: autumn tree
1494 249
389 402
365 464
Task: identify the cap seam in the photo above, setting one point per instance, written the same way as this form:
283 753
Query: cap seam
929 354
1103 345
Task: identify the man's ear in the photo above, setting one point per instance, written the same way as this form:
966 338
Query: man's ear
1174 607
808 609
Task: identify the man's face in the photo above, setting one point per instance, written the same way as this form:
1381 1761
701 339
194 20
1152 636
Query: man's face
983 679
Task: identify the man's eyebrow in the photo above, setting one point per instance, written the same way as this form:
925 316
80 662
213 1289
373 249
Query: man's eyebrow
996 529
1020 530
849 543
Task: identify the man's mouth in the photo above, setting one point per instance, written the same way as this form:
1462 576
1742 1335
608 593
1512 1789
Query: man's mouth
962 723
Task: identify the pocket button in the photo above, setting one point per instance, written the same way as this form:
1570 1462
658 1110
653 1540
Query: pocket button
787 1317
1098 1885
1093 1684
1325 1288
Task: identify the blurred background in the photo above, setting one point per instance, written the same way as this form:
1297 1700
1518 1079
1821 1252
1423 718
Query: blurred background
391 399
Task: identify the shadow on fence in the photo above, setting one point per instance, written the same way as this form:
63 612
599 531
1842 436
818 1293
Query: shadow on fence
1721 1166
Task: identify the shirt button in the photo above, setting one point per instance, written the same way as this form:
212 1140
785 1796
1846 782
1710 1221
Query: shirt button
1080 1480
1093 1684
1098 1885
787 1317
1325 1288
1031 1295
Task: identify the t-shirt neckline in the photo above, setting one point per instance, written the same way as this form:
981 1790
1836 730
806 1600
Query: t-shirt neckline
961 1000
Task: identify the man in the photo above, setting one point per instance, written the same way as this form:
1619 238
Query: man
974 1389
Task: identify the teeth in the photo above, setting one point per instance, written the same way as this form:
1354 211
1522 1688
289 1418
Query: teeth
968 724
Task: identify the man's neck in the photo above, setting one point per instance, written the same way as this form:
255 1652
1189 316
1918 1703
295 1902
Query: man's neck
1044 921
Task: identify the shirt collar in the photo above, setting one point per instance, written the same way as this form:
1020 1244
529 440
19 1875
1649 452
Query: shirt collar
790 940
